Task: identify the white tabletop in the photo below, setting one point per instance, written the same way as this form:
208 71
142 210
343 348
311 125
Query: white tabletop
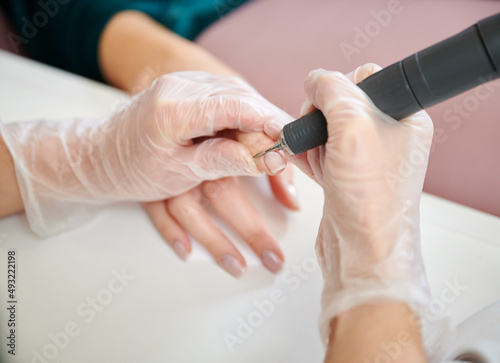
171 311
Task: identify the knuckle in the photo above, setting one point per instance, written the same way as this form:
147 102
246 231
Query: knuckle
327 78
258 236
327 83
215 188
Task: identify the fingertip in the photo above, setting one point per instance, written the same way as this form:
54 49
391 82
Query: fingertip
306 108
272 261
325 86
275 162
233 265
284 190
272 127
315 73
180 250
363 72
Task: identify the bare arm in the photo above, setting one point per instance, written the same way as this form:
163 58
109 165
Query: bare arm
134 50
10 198
377 333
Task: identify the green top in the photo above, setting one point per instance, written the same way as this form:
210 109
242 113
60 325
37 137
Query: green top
65 33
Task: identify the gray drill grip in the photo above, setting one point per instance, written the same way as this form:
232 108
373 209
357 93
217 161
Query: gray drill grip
306 133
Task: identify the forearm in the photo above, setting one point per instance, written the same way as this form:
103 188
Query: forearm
10 198
366 333
134 50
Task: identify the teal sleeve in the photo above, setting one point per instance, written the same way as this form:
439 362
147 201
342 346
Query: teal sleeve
65 33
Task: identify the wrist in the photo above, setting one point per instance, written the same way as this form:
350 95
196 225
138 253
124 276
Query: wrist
390 325
9 189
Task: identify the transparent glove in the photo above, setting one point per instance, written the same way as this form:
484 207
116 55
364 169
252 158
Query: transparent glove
160 144
372 170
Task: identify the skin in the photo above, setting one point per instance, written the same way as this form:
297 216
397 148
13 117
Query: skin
9 191
130 60
362 333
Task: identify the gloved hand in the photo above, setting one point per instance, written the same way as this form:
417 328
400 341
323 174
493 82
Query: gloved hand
372 170
161 143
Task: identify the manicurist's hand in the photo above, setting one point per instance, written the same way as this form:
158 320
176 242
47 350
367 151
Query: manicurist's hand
372 170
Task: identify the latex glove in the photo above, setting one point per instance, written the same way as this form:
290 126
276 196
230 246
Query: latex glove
154 147
372 170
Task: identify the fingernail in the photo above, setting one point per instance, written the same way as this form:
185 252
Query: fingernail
292 193
180 250
233 265
274 162
272 261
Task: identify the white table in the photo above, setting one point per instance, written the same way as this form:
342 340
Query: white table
180 312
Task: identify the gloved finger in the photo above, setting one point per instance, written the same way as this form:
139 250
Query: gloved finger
231 203
312 157
363 72
327 90
306 108
284 189
315 159
189 209
422 125
217 158
310 162
420 120
303 161
348 111
238 112
169 229
213 79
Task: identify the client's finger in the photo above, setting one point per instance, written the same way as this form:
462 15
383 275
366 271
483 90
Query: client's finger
272 163
189 209
230 202
169 229
284 189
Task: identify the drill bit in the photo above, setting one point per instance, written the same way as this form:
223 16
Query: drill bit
277 146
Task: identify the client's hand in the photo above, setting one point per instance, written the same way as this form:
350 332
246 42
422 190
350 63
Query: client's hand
162 143
372 170
185 214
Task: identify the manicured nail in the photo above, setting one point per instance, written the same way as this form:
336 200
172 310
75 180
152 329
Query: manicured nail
232 265
272 261
180 250
292 193
274 162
